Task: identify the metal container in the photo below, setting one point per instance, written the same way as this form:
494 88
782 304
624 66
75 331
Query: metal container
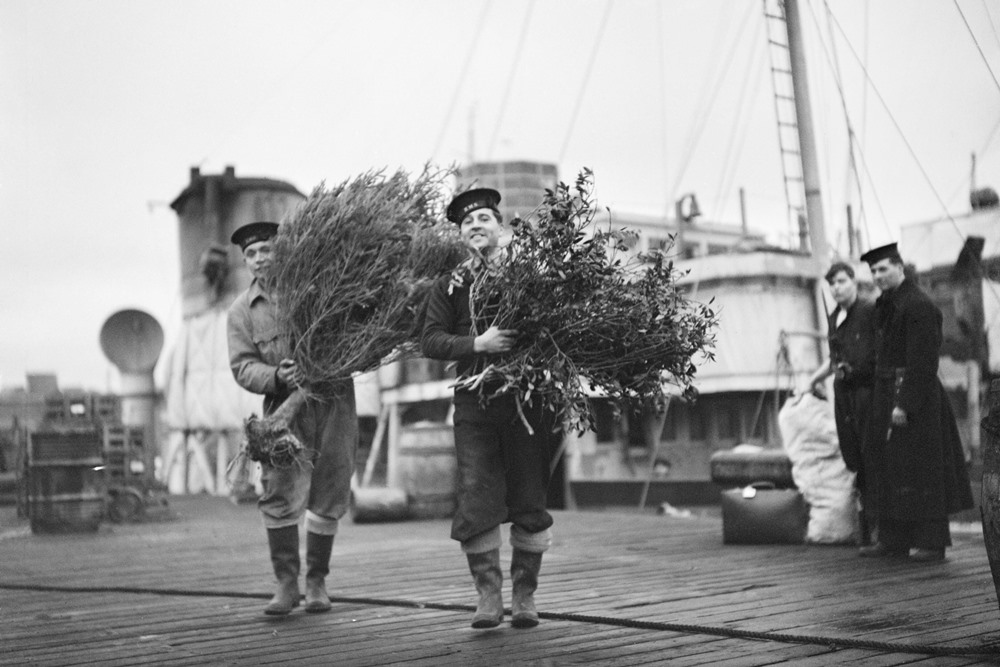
67 489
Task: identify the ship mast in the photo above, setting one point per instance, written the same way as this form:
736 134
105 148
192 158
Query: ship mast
807 140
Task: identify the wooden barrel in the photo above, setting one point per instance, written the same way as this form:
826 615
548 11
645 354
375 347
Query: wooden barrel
67 489
427 469
989 505
374 504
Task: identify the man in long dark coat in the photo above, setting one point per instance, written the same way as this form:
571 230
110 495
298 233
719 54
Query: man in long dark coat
914 459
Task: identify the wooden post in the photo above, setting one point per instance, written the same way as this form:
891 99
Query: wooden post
989 504
221 462
392 472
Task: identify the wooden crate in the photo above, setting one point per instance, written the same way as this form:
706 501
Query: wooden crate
122 445
67 488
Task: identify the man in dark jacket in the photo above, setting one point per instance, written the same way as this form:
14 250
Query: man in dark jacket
503 468
851 333
914 459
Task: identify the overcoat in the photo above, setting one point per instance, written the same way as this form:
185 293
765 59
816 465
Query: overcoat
918 470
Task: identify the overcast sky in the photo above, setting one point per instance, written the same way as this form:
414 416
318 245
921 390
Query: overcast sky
106 104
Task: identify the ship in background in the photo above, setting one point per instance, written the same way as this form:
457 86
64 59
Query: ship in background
770 296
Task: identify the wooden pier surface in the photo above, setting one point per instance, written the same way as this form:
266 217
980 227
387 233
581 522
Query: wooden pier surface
617 588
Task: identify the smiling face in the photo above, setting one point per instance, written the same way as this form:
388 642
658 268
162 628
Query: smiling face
481 230
257 256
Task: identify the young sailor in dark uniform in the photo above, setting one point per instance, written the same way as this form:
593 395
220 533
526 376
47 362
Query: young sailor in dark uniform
503 470
851 334
914 458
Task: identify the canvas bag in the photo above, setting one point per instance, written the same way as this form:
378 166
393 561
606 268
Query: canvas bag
809 436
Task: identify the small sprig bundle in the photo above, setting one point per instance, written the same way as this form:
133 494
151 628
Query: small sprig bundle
271 440
590 319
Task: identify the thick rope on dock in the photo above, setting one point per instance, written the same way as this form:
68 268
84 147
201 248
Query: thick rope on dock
833 643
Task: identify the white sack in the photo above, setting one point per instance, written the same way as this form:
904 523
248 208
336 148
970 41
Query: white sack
809 435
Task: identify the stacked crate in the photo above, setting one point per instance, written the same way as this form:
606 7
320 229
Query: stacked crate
76 407
67 488
123 447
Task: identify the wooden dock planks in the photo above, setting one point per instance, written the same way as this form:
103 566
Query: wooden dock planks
189 592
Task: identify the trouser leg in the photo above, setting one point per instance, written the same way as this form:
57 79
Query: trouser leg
527 462
335 424
930 534
480 488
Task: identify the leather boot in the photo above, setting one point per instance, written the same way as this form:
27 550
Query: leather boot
488 576
284 544
524 567
318 548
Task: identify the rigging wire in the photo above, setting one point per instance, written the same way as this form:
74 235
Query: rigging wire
991 137
993 25
469 53
976 42
864 89
705 107
510 77
830 52
586 78
277 85
992 286
839 78
966 182
892 119
826 113
664 152
862 142
737 137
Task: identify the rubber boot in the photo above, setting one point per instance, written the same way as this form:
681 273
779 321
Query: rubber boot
488 576
524 567
318 548
284 544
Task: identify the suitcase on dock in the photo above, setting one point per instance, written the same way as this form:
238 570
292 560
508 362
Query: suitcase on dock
761 514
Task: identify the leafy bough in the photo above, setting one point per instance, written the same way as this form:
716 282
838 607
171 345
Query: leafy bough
591 317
